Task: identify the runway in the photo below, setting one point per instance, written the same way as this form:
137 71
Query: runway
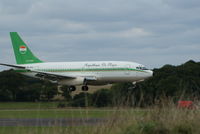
51 121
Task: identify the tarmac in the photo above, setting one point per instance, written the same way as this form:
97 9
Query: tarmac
51 121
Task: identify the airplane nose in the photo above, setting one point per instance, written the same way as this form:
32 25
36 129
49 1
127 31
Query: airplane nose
150 73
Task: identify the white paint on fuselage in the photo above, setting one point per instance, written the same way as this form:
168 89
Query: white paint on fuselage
104 71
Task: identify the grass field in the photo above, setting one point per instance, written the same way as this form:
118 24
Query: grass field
50 110
28 105
44 130
154 120
56 113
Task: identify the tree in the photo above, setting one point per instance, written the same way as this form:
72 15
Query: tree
81 100
10 83
16 87
122 94
48 90
66 93
101 98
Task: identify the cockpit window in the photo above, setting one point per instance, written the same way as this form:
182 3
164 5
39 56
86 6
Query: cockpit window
142 68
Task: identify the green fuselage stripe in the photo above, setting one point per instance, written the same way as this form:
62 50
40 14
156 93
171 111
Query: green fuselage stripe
84 70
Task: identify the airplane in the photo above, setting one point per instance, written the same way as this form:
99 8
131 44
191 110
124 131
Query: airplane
73 74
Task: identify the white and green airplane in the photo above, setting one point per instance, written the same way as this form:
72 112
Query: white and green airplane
75 73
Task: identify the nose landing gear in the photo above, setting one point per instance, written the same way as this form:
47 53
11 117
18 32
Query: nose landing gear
133 85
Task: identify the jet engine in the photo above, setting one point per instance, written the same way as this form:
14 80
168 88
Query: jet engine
75 81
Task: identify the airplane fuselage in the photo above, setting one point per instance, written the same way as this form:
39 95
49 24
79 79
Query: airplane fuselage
104 72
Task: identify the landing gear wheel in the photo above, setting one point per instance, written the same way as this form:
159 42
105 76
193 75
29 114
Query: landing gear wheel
134 84
72 88
84 88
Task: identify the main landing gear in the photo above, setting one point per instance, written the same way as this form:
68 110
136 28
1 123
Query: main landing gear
73 88
85 88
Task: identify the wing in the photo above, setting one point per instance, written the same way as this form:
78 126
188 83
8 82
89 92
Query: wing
51 76
15 66
56 77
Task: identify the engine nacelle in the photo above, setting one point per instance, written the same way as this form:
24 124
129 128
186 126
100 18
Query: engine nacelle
76 81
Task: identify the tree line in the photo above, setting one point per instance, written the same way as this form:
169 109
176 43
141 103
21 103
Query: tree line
175 82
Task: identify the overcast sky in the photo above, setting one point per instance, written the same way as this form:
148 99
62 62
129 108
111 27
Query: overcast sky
151 32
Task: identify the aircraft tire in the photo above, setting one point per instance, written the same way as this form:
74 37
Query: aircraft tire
72 88
85 88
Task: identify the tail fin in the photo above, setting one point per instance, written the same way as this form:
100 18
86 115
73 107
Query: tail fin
23 54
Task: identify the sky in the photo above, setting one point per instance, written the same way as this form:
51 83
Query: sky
150 32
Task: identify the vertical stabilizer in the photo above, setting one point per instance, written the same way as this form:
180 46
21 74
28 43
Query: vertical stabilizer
22 53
